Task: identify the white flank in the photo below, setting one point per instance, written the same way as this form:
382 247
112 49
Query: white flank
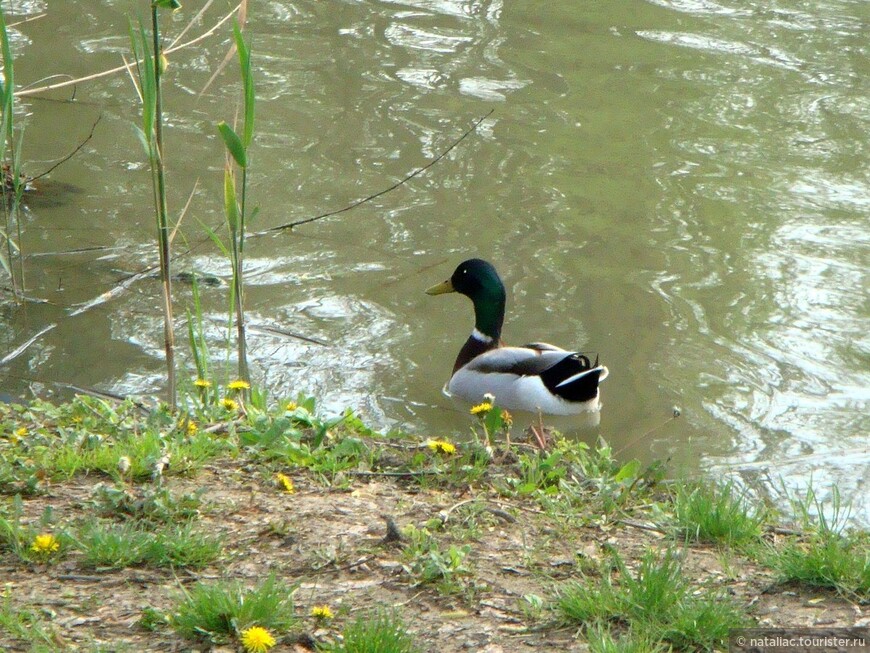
525 393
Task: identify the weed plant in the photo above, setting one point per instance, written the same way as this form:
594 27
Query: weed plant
218 611
826 554
150 63
381 632
708 512
26 625
656 603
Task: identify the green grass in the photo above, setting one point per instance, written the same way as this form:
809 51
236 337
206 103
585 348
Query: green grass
381 632
90 435
184 545
112 546
827 554
26 626
602 640
710 512
115 546
218 611
656 603
827 560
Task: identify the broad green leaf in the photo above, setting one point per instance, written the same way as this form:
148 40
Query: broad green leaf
233 144
628 471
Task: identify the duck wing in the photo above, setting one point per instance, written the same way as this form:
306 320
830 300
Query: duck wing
566 374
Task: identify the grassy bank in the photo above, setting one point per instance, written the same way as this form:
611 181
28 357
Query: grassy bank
238 526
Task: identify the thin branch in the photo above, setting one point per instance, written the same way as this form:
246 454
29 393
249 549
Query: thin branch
73 153
413 174
26 20
190 23
184 210
20 350
243 17
78 250
275 331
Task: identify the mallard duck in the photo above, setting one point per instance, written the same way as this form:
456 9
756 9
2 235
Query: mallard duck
537 377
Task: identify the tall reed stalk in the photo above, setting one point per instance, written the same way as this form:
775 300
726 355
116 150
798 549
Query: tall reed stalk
13 182
149 68
234 203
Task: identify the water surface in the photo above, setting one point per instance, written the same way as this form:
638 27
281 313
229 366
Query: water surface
679 185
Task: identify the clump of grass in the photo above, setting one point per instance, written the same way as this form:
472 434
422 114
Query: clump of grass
826 555
26 625
184 546
602 640
115 546
716 513
112 546
382 632
656 602
218 611
95 452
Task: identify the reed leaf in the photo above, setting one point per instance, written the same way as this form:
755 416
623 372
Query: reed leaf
233 144
231 207
247 82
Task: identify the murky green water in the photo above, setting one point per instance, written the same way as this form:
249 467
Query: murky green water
681 185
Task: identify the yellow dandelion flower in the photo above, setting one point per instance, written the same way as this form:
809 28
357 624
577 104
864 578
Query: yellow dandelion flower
230 404
202 383
285 483
192 428
441 446
481 409
322 612
291 406
44 545
21 432
257 639
238 385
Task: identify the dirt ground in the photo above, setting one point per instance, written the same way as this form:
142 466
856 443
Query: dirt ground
329 542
